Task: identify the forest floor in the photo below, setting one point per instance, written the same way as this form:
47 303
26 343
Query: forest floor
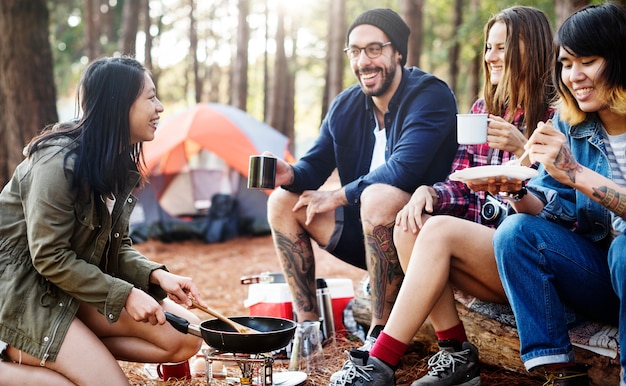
217 269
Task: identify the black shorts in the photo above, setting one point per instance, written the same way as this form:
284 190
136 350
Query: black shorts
346 242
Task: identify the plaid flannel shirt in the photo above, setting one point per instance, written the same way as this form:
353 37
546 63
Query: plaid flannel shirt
454 197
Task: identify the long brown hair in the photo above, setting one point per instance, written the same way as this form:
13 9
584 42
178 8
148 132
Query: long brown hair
526 81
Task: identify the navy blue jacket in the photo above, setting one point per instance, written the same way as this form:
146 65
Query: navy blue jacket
421 139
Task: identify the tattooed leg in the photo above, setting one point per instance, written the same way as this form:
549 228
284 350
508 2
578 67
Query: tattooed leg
298 263
385 271
611 199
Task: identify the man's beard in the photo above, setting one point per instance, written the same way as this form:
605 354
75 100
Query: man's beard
387 74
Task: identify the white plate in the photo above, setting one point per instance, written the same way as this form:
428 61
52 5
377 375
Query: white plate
289 378
483 172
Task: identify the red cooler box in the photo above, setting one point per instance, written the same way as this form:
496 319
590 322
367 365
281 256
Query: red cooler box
274 299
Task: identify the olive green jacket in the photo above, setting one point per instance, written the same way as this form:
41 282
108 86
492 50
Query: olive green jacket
60 247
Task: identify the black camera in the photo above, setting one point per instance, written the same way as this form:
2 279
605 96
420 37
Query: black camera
493 211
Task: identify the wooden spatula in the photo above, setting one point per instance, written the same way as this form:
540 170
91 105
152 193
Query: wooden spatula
237 326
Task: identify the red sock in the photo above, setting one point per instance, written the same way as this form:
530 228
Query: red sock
455 333
388 349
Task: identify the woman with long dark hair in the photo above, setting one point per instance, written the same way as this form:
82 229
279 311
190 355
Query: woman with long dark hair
76 296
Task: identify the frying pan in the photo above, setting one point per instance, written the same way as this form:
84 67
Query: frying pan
274 333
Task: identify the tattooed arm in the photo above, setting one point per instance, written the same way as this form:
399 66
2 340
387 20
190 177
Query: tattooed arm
611 199
549 146
599 188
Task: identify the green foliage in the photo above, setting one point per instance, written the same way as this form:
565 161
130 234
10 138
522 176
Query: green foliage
215 23
67 42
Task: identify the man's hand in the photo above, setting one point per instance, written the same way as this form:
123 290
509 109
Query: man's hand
317 201
284 171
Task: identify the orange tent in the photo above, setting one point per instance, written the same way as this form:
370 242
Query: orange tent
201 152
230 133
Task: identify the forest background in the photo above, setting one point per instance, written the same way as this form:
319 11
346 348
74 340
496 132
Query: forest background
280 60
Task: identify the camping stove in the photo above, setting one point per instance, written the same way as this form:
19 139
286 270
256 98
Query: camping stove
256 369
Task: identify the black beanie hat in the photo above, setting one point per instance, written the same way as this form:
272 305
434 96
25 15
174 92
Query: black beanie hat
390 23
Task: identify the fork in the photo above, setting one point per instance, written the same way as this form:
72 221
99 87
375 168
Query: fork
518 161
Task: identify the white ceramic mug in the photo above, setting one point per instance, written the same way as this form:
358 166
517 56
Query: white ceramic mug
471 129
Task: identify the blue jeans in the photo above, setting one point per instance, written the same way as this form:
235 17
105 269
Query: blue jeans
545 269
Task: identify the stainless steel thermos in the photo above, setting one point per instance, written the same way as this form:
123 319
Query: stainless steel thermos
324 302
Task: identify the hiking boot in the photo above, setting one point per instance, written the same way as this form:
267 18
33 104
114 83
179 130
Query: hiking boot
356 356
572 374
374 373
452 365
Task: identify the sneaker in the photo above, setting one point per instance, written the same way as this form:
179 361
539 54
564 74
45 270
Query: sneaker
574 374
452 365
371 339
374 373
356 355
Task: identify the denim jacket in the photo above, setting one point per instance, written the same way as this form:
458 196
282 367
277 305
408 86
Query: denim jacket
421 139
60 247
569 206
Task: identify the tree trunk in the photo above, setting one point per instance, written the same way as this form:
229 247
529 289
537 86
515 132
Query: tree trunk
266 71
27 91
412 12
105 22
193 52
130 26
290 97
276 117
240 73
334 53
564 8
91 14
147 24
474 87
456 47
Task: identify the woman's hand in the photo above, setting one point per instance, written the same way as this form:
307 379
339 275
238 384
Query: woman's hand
143 308
178 288
423 199
549 147
505 136
495 185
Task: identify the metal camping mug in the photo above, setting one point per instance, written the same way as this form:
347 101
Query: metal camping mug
262 172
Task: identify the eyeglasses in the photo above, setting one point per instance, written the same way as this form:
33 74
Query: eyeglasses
372 50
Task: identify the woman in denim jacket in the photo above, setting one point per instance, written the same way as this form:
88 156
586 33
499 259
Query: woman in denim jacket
567 250
75 295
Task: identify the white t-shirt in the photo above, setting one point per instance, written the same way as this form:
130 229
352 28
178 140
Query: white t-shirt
378 155
110 201
616 151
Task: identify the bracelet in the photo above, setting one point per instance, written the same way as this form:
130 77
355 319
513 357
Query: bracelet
515 196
